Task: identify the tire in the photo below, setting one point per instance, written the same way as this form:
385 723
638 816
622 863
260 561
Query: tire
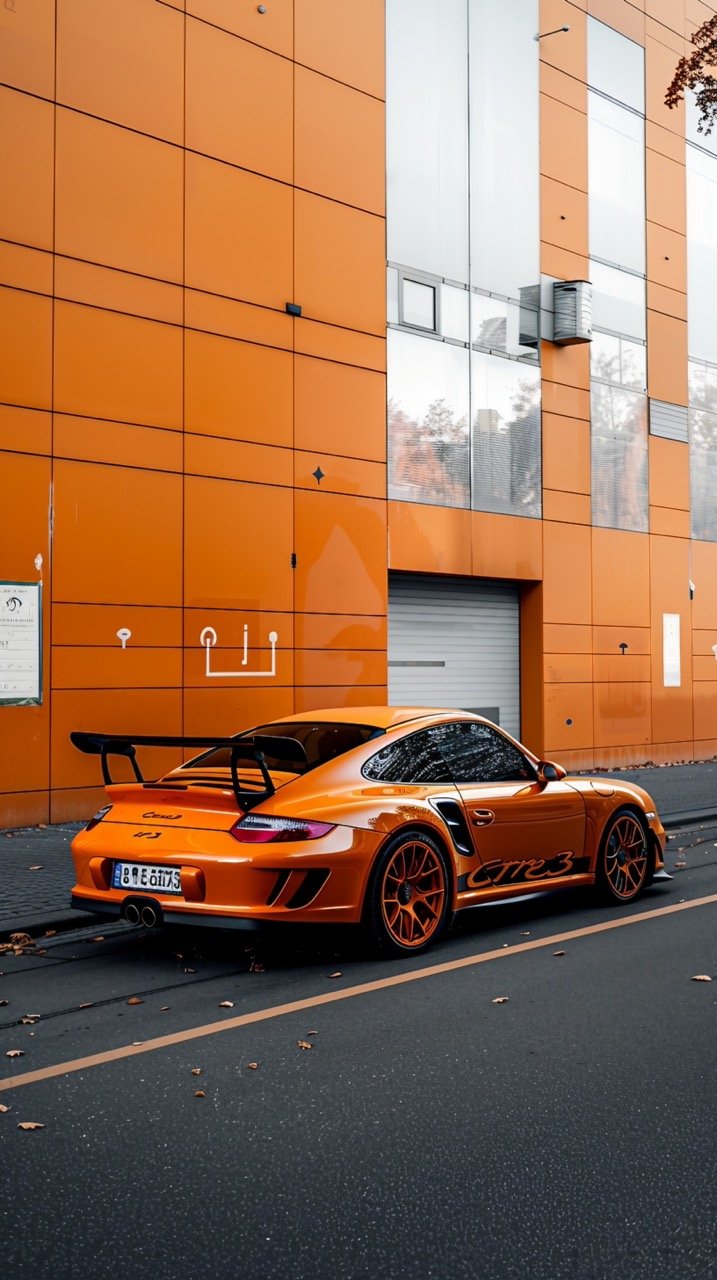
624 858
409 896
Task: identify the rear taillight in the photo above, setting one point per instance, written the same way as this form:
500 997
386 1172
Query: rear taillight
255 829
97 817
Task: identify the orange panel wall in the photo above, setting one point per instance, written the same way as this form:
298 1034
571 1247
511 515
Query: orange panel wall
173 179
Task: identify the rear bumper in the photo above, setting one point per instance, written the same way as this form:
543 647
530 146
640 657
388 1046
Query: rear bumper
208 920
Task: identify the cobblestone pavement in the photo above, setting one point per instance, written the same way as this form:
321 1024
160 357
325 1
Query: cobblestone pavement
36 868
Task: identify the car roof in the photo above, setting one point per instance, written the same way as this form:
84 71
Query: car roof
379 717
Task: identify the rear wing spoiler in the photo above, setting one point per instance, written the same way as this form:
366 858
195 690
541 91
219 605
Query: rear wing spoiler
247 749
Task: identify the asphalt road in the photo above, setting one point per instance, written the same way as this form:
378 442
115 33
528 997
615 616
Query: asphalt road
567 1133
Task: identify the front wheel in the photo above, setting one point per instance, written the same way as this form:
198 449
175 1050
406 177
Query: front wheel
623 860
408 900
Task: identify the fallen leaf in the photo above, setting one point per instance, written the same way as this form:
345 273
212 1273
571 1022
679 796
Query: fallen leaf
312 1033
702 977
500 1000
86 1005
338 974
525 933
21 939
4 1002
196 1071
304 1044
136 1042
42 826
41 951
226 1004
39 868
135 1000
257 967
30 1019
3 1108
253 1066
200 1094
190 971
163 1008
558 953
30 1124
49 933
15 1053
680 864
100 938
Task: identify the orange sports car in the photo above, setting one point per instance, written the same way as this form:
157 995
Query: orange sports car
393 817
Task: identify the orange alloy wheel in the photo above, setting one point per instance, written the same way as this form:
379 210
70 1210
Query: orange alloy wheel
414 892
624 858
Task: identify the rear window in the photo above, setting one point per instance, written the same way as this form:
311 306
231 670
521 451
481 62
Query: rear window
321 741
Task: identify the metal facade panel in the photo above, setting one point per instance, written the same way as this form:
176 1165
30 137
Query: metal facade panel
668 420
455 642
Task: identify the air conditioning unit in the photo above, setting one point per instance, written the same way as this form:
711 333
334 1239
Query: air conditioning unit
572 311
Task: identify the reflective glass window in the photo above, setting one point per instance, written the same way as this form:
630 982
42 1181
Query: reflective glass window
616 153
419 305
428 408
504 145
703 473
702 385
414 759
503 327
427 135
701 254
619 457
692 126
618 301
616 65
454 312
618 360
392 295
479 753
505 436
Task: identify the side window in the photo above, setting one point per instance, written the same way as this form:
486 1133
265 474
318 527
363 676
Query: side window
479 753
410 760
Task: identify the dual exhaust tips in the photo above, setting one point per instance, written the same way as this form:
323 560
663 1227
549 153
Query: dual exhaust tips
136 914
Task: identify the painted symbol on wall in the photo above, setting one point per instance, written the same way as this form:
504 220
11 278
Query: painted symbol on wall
38 562
123 636
13 603
208 638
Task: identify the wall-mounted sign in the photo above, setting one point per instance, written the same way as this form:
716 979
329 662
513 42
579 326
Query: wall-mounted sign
671 669
20 644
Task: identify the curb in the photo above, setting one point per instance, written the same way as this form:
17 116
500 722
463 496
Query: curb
672 820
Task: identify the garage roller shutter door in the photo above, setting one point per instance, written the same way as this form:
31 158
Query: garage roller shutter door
455 642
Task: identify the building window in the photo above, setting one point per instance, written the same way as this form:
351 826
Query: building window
702 425
418 305
618 411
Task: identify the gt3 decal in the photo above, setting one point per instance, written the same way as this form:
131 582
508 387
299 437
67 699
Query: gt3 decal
523 871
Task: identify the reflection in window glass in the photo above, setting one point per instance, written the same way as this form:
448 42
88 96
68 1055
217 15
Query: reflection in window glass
505 436
702 385
503 326
618 301
454 312
478 753
504 145
392 295
410 760
701 254
703 473
692 123
618 360
428 445
427 135
618 457
616 65
419 304
616 151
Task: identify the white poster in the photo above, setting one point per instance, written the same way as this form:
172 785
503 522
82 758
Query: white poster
20 643
671 669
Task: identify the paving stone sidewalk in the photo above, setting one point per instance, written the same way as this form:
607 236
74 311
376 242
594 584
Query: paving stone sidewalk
36 867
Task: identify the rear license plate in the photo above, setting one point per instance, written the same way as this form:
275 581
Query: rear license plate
143 876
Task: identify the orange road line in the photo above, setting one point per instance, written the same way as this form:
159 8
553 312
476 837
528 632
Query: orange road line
332 997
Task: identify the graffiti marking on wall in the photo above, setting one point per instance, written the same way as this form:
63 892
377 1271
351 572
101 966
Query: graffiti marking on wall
208 638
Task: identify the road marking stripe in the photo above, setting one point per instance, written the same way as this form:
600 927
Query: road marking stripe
331 997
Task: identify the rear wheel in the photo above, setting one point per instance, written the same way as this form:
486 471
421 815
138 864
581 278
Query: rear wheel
624 857
409 897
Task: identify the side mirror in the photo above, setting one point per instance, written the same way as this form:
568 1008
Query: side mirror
550 772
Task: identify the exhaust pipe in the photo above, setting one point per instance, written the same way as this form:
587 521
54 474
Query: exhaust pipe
131 913
148 917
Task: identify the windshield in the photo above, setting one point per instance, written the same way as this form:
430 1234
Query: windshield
318 742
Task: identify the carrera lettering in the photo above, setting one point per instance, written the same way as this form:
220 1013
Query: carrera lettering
146 835
166 817
521 870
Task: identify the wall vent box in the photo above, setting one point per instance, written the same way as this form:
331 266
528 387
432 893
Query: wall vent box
573 311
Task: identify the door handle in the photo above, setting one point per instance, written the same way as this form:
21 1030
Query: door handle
482 817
